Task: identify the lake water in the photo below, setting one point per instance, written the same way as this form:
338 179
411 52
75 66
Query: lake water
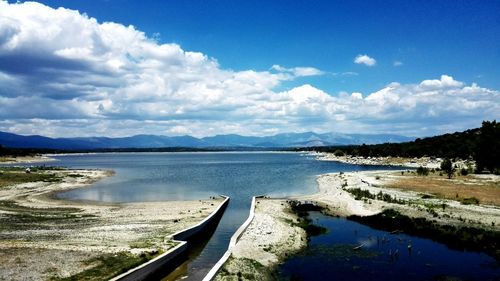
174 176
384 256
241 175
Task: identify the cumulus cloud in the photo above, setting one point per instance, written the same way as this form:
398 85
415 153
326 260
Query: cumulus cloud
365 59
397 63
445 82
63 73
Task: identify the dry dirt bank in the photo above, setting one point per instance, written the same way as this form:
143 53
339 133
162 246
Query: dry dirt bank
25 159
335 193
271 236
45 238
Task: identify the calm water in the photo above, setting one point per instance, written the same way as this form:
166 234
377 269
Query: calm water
331 255
174 176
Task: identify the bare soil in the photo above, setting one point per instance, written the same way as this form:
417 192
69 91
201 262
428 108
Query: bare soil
43 238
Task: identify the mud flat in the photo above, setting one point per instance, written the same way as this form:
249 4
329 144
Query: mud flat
42 237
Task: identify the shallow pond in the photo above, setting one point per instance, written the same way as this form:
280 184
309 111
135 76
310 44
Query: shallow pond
337 255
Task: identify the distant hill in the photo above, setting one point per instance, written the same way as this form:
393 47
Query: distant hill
154 141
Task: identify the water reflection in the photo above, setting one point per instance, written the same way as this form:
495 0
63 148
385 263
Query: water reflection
352 251
185 176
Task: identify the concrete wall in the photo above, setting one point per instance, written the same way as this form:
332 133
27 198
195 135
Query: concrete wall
234 239
168 261
150 269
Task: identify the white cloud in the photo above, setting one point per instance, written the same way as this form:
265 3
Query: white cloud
346 74
445 82
298 71
91 78
397 63
365 59
349 73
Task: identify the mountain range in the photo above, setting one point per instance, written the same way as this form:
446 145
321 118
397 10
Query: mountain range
156 141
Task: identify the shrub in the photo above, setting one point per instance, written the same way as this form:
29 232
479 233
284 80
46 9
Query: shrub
422 171
447 167
470 201
464 172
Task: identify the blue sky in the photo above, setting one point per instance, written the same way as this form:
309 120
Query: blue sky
315 83
461 38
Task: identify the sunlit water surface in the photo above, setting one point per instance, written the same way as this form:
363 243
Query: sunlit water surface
178 176
241 175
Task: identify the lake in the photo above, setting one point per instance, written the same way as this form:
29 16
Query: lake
179 176
241 175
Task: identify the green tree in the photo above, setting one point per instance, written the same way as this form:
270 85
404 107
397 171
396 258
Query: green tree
488 147
422 171
448 167
364 150
338 153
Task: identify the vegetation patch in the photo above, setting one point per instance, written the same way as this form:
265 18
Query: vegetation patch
12 176
360 194
304 222
470 201
109 265
21 217
422 171
455 237
245 269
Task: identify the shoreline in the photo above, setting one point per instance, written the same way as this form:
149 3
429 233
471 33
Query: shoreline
26 159
426 162
72 237
335 196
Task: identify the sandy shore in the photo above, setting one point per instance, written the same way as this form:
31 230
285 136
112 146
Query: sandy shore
333 195
382 161
270 237
25 159
43 238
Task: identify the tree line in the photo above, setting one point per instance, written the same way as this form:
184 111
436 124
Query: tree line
480 144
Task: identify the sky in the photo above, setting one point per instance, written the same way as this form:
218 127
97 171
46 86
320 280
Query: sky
125 67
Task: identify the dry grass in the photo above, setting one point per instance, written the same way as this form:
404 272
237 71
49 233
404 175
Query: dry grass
20 159
487 191
8 178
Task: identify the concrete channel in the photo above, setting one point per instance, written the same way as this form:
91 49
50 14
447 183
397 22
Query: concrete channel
168 261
